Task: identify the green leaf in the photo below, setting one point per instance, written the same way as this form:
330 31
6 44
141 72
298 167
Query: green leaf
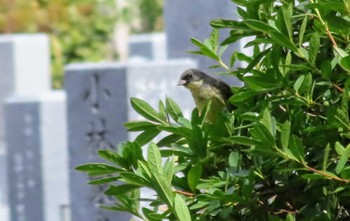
198 142
205 50
260 132
326 69
111 156
162 111
143 170
279 38
103 180
151 215
145 110
173 109
154 159
314 47
121 189
193 176
232 59
283 41
168 140
339 148
296 148
139 125
181 209
298 83
287 11
285 134
305 88
343 160
134 179
290 217
325 157
261 83
313 176
303 85
242 95
95 169
214 40
222 23
345 103
339 118
163 189
269 121
242 140
302 30
146 136
182 131
234 160
169 168
340 52
258 25
345 63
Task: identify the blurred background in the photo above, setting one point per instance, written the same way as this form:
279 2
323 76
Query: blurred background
82 30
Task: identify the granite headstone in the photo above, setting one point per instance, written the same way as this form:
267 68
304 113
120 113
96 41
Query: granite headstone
36 156
96 111
21 73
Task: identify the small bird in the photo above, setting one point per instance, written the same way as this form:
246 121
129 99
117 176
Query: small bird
204 89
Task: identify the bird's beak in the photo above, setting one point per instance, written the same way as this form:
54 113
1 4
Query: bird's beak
181 82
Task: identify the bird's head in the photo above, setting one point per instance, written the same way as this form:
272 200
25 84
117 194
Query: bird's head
191 79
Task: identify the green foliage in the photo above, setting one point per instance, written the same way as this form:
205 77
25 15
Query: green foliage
283 154
144 15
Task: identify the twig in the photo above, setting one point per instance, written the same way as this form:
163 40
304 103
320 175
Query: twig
323 173
184 193
331 37
326 26
339 89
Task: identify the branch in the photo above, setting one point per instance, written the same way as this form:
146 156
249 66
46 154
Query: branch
323 173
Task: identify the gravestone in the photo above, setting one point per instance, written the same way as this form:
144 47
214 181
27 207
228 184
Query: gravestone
36 157
185 19
96 111
147 46
21 73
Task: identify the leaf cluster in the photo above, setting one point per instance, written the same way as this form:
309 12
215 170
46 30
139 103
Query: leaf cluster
283 154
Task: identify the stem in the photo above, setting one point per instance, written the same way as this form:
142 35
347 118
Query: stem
326 26
184 193
339 89
323 173
223 64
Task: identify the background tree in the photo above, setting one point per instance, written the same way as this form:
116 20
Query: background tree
283 154
79 30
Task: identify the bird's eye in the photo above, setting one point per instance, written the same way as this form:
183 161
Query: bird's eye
190 75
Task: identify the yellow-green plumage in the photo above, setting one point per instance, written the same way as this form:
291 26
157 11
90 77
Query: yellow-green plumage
206 89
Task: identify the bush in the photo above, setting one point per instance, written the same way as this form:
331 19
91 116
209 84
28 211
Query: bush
283 154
